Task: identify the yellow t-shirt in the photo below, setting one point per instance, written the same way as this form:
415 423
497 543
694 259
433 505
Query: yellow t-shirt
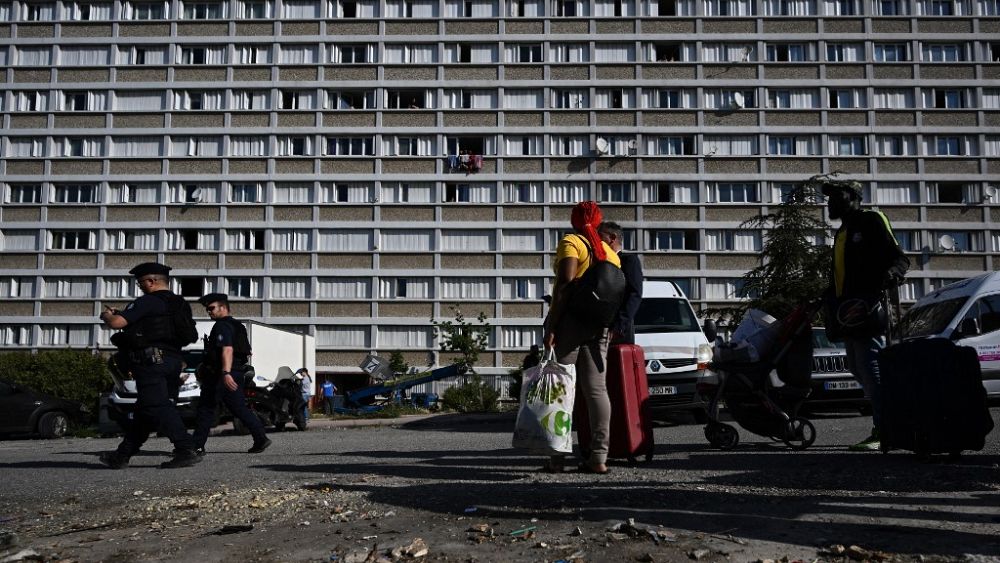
573 246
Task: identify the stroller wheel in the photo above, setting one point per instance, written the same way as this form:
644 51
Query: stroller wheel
799 433
722 436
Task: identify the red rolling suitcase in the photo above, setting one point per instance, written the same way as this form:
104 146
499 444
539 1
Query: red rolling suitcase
631 426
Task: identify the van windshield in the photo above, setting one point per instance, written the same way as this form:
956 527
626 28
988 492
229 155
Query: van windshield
665 314
931 319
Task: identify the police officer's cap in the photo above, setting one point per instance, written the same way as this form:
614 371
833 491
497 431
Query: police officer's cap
150 268
853 188
207 300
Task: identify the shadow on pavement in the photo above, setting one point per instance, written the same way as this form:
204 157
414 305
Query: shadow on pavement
501 422
794 497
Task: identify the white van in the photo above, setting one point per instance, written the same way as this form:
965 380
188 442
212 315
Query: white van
677 351
968 313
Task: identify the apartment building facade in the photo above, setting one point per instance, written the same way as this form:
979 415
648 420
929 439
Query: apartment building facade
355 168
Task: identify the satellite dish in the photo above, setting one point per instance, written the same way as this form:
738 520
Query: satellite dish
947 242
990 192
196 195
746 54
738 100
602 145
633 147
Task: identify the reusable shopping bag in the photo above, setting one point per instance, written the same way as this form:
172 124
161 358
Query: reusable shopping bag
545 419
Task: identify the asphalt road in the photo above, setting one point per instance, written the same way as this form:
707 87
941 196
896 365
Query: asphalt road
340 492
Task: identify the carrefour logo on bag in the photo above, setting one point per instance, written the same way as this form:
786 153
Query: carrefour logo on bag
558 423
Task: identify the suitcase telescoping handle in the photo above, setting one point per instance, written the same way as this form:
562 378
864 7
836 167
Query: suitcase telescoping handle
893 315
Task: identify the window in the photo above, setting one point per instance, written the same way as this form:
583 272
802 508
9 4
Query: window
291 240
570 99
523 192
131 240
347 192
671 146
986 312
670 99
845 52
671 192
249 239
253 9
37 11
531 53
569 52
75 193
895 145
614 98
134 193
735 193
290 288
353 53
730 240
407 192
17 287
358 99
792 99
890 7
26 147
953 192
841 7
203 10
847 145
350 146
295 146
789 7
293 99
734 145
145 10
674 240
944 98
71 240
293 193
791 52
246 288
32 101
938 53
730 99
471 193
891 52
616 192
251 100
252 54
189 287
847 98
24 193
729 7
724 288
948 146
245 193
964 241
893 98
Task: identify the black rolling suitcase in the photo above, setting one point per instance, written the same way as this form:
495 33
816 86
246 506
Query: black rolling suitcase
933 400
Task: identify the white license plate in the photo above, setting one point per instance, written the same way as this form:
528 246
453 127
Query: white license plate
841 385
663 390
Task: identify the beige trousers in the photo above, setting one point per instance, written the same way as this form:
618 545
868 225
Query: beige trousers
587 349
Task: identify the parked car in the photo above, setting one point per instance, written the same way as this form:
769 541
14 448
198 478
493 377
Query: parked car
832 383
26 411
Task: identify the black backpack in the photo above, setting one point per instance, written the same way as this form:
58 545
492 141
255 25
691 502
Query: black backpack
182 319
595 297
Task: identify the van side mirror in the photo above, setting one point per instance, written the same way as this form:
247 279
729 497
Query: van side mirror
968 327
710 329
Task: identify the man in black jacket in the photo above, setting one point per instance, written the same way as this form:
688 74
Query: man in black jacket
867 260
623 329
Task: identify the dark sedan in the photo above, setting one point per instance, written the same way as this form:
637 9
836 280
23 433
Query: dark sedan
26 411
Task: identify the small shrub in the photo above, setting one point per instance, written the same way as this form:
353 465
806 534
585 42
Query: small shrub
473 395
78 375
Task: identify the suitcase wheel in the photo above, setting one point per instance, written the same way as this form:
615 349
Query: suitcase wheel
799 433
722 436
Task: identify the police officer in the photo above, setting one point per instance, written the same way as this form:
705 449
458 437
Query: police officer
151 346
227 353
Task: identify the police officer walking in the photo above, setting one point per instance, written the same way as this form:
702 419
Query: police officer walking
227 353
154 328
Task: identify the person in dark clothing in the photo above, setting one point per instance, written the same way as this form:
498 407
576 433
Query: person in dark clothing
623 329
867 260
532 359
151 349
227 353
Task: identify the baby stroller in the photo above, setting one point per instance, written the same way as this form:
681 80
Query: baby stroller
756 401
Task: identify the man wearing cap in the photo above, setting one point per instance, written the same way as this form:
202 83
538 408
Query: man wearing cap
151 346
227 353
867 260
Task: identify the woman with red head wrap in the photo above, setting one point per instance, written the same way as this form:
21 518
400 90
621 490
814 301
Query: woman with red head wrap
577 343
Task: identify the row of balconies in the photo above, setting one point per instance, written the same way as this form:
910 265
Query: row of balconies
515 26
457 73
406 167
509 119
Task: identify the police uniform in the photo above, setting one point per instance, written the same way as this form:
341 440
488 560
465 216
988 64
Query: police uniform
226 332
155 361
